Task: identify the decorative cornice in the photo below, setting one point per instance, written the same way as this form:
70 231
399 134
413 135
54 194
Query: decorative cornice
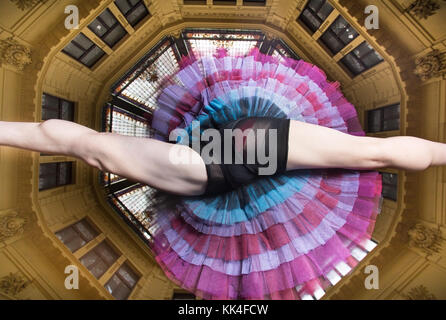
419 293
14 53
11 224
422 9
26 4
430 65
424 238
13 284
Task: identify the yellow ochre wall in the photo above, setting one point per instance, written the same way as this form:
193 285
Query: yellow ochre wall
33 260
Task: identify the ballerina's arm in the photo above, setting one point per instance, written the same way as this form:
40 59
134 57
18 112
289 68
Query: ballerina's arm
140 159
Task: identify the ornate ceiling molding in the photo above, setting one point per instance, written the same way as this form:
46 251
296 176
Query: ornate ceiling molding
26 4
427 239
13 284
419 293
14 53
422 9
11 224
430 65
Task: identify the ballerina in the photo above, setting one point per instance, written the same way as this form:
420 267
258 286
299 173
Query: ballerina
146 160
223 231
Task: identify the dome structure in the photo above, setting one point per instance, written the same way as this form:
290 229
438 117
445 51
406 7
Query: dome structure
56 211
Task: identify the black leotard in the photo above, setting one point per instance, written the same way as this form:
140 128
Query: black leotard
223 177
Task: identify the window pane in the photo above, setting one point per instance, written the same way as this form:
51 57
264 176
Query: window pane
50 101
114 36
352 64
85 230
374 120
123 5
367 54
393 124
89 258
389 178
50 107
107 27
65 173
77 235
90 52
50 113
134 10
122 282
325 11
98 28
128 275
98 269
67 112
71 239
75 244
384 118
99 259
332 42
66 234
83 41
338 35
310 20
315 13
392 112
137 14
73 50
121 292
344 30
372 59
108 18
47 176
93 56
107 253
315 5
113 284
390 185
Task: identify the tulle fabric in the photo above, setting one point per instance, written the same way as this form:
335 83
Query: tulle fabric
288 236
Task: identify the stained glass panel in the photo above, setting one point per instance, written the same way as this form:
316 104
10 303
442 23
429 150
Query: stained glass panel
138 201
237 44
142 86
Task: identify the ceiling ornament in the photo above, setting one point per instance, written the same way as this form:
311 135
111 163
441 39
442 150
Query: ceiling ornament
26 4
419 293
150 74
11 224
13 284
427 239
430 66
13 53
422 9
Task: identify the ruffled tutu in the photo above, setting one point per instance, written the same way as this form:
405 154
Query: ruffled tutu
288 236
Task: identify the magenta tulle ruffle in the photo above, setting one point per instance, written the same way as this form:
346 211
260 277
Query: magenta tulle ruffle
294 249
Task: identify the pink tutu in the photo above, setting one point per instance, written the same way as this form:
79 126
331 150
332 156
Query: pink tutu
289 236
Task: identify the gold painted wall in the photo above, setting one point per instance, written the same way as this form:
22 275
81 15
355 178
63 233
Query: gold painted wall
30 252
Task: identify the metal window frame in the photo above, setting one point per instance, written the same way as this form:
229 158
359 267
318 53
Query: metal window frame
59 105
109 29
86 51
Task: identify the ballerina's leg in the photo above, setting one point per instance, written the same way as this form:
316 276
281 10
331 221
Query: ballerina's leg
173 168
314 146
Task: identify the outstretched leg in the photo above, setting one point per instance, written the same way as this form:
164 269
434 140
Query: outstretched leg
314 146
140 159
